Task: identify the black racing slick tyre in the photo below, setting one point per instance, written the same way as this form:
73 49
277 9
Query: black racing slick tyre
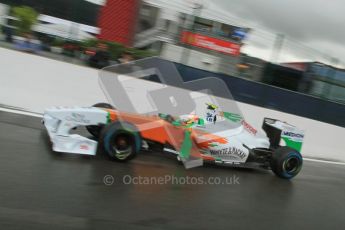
95 130
121 141
286 162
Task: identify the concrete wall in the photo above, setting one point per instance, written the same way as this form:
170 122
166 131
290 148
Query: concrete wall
34 83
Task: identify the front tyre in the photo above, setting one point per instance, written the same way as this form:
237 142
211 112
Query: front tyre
121 141
286 162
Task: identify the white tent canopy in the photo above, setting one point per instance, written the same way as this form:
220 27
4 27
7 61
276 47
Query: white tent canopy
72 31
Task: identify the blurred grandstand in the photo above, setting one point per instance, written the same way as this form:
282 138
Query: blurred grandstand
194 33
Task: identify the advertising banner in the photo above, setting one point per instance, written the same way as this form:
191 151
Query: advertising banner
210 43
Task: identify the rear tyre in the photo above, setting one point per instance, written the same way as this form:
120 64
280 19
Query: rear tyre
286 162
95 130
121 141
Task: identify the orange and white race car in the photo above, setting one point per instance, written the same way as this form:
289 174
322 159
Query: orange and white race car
122 135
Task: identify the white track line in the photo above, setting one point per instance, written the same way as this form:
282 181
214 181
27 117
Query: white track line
15 111
324 161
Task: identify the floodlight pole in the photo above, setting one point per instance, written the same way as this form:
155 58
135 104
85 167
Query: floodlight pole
331 73
277 47
197 9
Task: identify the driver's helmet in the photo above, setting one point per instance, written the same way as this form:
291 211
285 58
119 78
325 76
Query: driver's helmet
211 112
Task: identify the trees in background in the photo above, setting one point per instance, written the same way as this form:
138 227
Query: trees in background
27 17
116 49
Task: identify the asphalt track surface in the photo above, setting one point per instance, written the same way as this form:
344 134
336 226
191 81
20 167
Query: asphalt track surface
40 189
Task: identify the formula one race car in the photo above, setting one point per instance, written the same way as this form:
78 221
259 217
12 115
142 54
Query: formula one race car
121 135
209 134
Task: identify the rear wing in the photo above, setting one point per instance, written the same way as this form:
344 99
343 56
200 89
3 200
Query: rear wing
283 134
